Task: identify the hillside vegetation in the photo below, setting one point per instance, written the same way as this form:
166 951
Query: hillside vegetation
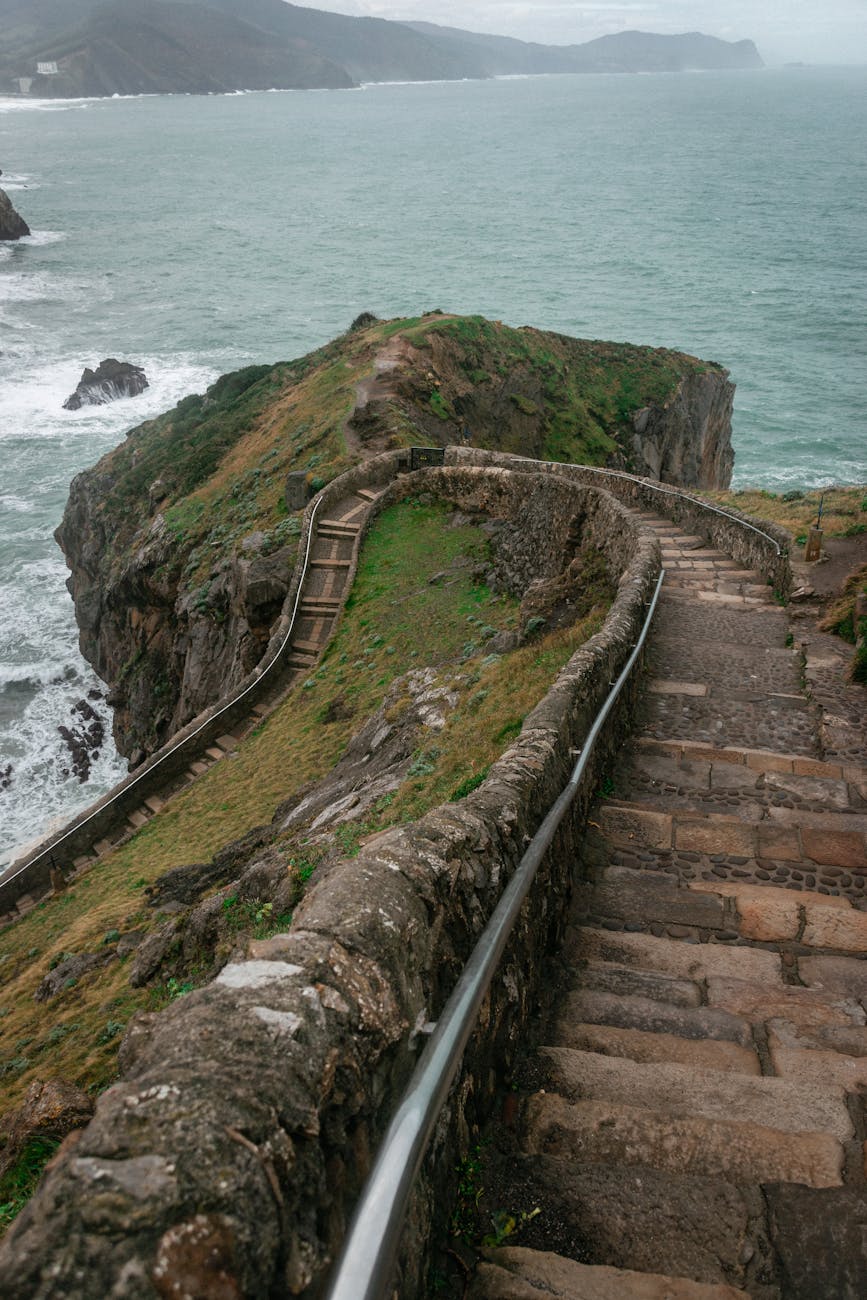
421 570
194 502
207 46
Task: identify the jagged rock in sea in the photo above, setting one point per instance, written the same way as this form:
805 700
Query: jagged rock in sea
111 379
12 226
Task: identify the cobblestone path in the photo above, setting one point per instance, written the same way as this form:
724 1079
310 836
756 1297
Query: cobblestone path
694 1126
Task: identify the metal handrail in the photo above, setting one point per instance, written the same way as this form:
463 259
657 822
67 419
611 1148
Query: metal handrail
672 492
124 789
364 1268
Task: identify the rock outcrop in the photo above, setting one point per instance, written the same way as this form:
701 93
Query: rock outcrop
12 226
182 541
110 381
688 439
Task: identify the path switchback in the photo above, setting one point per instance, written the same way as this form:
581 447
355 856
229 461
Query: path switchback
694 1121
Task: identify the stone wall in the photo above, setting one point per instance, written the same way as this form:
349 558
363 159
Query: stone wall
227 1159
107 817
755 543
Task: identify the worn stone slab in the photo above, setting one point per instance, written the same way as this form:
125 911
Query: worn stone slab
762 761
642 898
154 803
662 686
806 1065
635 827
835 848
637 1045
806 1008
828 927
707 836
677 1090
651 1017
780 843
812 767
733 776
669 770
850 1040
767 893
612 1132
819 1238
689 960
515 1273
764 915
609 977
846 975
137 819
832 822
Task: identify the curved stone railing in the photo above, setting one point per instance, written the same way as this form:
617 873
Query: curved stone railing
245 1121
755 543
32 874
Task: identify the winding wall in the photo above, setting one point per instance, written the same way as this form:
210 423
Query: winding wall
244 1125
235 1145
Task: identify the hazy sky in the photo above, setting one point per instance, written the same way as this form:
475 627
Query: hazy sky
820 31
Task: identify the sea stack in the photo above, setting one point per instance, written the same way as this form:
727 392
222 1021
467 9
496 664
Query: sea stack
12 226
111 379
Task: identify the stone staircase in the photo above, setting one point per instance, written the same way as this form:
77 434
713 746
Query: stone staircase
693 1125
322 597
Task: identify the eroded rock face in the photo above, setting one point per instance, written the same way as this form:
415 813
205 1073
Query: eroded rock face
688 440
12 226
110 381
202 637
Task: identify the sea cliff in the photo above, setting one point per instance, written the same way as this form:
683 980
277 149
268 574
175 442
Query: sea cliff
181 542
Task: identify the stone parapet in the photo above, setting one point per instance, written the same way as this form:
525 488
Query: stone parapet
230 1154
754 543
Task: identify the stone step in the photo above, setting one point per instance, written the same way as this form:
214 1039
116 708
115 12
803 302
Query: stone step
762 760
716 785
786 869
741 1151
684 1091
709 1230
516 1273
307 647
718 625
325 563
792 835
342 526
366 494
756 912
639 1045
819 1237
691 961
625 981
588 1006
728 717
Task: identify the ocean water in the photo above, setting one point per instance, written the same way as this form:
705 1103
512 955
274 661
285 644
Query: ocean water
718 213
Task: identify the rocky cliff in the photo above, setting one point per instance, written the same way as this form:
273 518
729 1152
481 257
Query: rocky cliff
12 226
182 541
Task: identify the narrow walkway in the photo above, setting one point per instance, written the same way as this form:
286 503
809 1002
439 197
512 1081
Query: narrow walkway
323 593
694 1126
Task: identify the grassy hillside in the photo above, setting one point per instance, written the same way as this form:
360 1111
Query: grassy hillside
385 635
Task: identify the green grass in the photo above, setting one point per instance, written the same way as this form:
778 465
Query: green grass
797 512
395 619
19 1182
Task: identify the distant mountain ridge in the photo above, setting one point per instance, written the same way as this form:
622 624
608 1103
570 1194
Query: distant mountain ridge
54 48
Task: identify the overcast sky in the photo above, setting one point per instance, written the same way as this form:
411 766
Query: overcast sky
817 31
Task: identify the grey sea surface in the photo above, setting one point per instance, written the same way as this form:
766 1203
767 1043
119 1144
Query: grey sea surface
719 213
